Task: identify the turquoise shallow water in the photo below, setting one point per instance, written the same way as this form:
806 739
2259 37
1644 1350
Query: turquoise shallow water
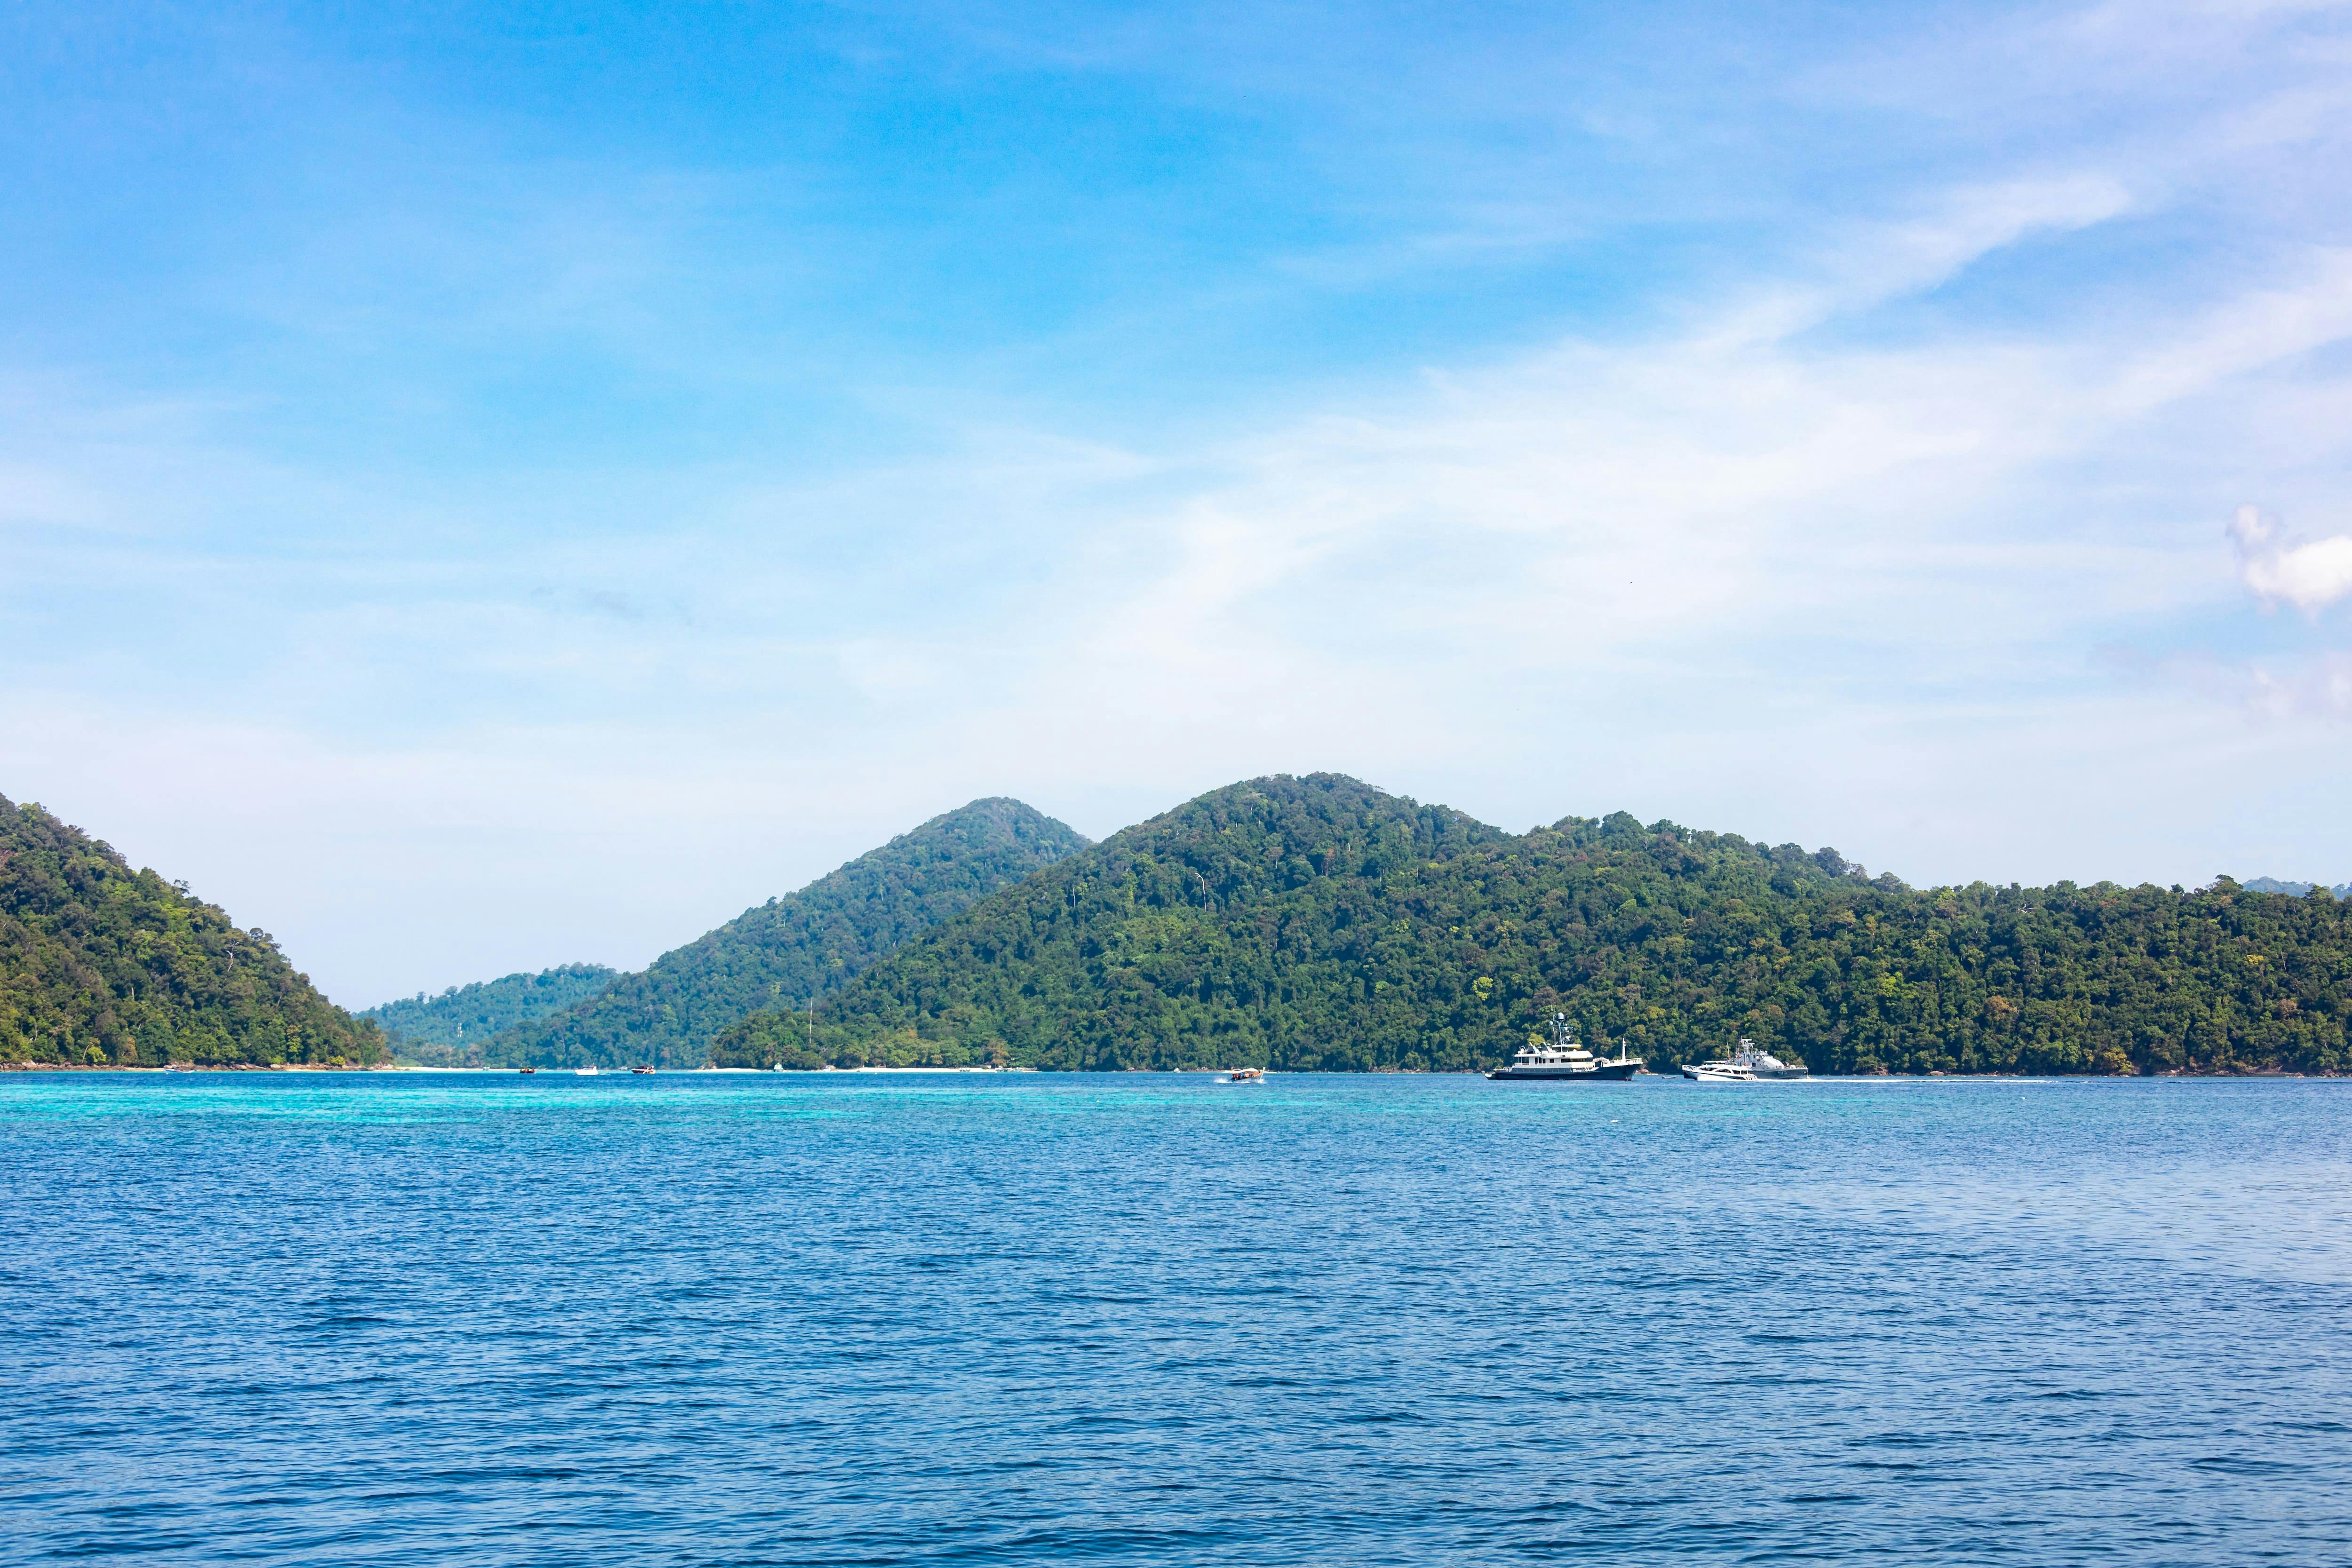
443 1319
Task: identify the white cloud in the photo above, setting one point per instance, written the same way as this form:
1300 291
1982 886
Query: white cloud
2309 576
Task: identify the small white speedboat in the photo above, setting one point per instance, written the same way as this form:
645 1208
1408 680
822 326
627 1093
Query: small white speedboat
583 1072
1749 1064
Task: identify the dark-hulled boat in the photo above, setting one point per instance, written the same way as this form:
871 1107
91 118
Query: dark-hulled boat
1560 1059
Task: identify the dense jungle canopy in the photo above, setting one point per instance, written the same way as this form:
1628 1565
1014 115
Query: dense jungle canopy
790 949
104 966
1315 922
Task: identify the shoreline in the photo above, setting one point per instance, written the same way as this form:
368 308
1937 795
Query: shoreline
63 1067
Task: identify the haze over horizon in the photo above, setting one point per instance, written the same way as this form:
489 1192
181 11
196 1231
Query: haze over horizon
485 487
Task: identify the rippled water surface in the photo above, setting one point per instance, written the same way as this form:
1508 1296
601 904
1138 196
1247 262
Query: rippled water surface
856 1319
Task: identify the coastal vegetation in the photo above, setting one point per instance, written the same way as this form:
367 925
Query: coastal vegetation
101 965
450 1029
1306 923
789 950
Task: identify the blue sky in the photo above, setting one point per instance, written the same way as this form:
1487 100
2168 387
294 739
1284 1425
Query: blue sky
485 486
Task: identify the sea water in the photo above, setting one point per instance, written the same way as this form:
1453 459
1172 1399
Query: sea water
1152 1319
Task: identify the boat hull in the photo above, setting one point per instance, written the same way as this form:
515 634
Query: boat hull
1600 1073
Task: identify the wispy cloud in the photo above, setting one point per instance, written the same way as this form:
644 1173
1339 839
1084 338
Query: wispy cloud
2321 689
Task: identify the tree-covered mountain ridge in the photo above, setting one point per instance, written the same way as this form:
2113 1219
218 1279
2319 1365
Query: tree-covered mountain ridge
102 966
1315 922
790 949
2295 889
439 1032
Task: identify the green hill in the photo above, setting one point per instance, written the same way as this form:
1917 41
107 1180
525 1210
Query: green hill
1318 923
449 1030
805 944
104 966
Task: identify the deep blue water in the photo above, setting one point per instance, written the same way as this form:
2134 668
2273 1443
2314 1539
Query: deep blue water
835 1319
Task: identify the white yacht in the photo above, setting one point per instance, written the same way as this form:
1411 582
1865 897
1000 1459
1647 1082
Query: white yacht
1560 1059
1749 1064
589 1072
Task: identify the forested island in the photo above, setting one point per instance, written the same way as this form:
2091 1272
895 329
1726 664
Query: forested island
1310 923
1318 922
101 965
